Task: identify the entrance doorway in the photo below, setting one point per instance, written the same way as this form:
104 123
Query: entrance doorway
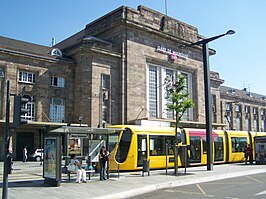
218 149
24 139
195 149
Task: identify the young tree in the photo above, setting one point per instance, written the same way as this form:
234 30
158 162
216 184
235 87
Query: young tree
179 96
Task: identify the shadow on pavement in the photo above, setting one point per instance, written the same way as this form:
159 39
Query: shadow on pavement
32 183
179 174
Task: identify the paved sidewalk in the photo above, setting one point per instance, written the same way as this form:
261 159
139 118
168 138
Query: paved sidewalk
27 182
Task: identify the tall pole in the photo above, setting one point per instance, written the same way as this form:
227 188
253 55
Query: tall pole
100 102
165 4
208 112
207 92
5 176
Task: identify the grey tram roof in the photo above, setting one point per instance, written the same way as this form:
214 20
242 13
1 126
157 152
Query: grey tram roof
85 130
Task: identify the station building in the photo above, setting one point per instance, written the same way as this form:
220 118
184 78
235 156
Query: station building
114 71
243 110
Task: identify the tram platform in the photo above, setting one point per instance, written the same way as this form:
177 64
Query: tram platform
27 182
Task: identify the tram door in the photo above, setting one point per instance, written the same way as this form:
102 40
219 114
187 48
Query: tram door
195 149
142 149
218 149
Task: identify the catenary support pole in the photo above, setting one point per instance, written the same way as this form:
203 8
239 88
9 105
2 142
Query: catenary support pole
207 105
7 128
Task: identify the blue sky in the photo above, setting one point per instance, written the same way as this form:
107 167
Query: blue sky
239 58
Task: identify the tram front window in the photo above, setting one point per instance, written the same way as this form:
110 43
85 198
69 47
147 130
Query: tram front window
113 139
123 146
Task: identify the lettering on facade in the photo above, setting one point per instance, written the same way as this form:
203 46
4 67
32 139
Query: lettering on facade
173 55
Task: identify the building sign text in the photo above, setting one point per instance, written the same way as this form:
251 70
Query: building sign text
173 55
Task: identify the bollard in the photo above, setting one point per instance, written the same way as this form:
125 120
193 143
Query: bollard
146 167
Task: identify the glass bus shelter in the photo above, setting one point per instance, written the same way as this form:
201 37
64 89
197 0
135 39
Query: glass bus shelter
85 142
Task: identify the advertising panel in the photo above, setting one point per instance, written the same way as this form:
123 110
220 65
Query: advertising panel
50 157
74 146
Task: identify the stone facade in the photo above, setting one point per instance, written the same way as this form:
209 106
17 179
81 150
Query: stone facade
122 44
106 72
248 107
44 66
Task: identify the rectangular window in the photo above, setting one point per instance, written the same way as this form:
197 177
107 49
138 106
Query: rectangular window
247 118
247 127
58 82
247 109
262 126
214 115
185 116
255 111
158 145
31 107
228 106
262 112
238 108
26 77
105 98
105 81
57 110
170 78
160 82
255 118
228 122
255 123
238 144
238 123
153 91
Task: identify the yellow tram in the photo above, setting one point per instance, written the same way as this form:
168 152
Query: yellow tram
156 144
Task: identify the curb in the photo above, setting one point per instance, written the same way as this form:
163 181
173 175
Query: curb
178 183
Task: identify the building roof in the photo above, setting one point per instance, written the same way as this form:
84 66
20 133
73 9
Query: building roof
71 40
26 48
23 46
245 93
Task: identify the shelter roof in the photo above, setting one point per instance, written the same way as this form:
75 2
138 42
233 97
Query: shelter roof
85 130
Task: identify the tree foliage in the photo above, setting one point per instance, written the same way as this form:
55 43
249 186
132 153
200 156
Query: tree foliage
180 99
179 96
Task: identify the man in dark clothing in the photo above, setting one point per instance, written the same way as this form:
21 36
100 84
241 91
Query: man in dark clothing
103 159
250 154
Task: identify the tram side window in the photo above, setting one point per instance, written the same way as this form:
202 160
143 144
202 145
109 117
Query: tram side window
158 145
169 141
123 146
238 144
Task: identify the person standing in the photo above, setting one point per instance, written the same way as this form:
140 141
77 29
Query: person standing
246 153
103 159
24 154
250 154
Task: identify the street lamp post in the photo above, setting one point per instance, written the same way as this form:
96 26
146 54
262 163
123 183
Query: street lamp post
1 79
80 119
207 91
6 144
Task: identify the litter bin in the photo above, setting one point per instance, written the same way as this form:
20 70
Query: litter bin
183 153
146 167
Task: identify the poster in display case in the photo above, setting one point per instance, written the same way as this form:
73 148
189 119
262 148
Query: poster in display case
74 146
50 157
